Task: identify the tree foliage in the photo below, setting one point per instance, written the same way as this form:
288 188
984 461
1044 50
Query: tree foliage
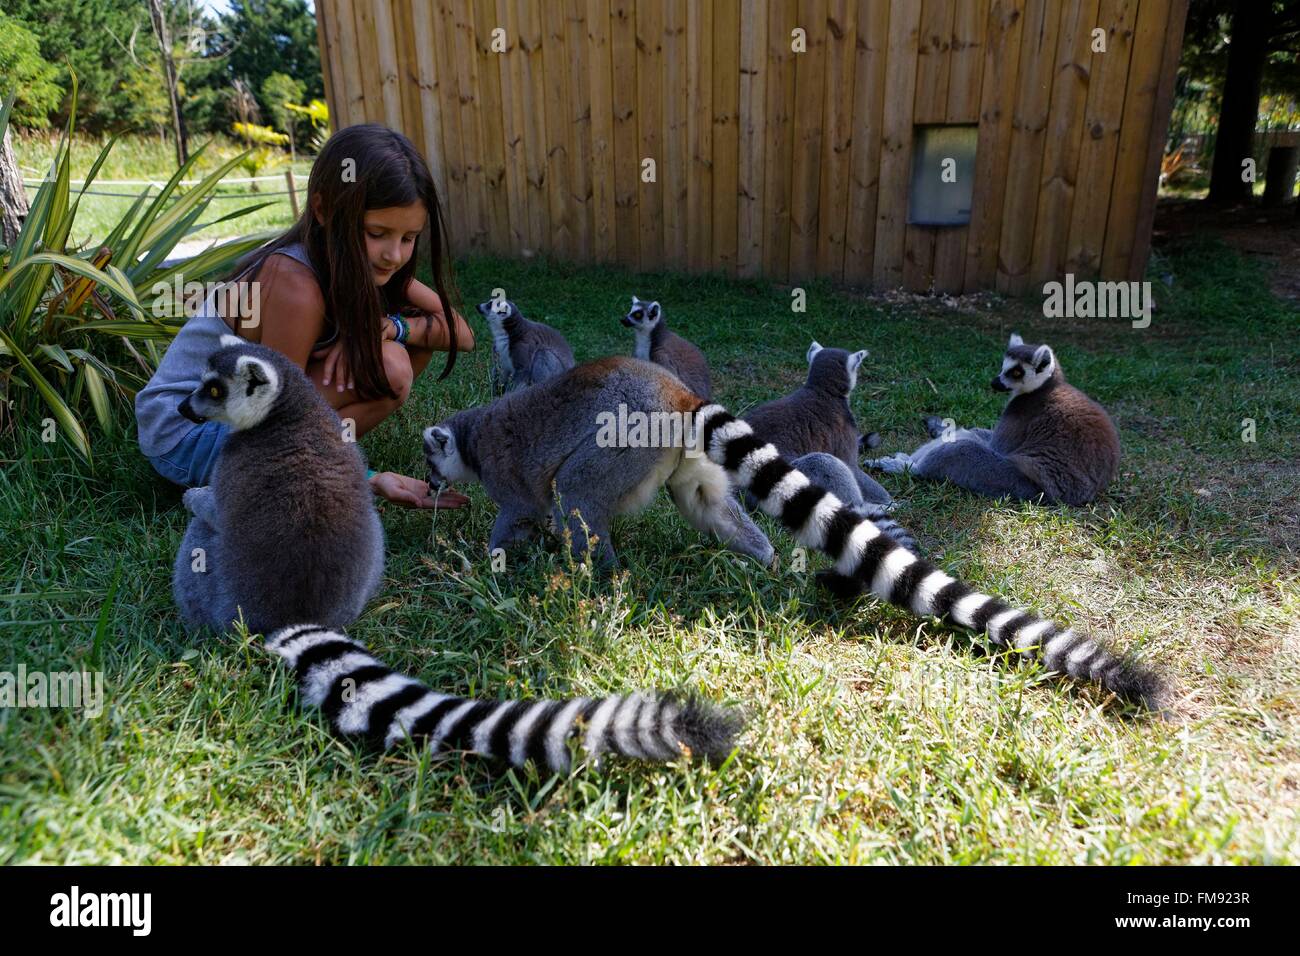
109 45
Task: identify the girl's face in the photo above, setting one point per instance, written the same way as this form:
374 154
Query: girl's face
390 237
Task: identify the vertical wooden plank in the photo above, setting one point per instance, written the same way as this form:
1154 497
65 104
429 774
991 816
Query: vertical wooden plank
471 137
408 71
578 134
726 135
459 214
837 136
1056 191
752 123
1134 138
896 144
649 84
1028 137
1100 145
965 71
699 136
673 170
997 96
510 67
627 155
327 39
805 174
1164 104
603 242
778 139
533 101
491 130
558 143
386 48
367 53
353 95
871 42
422 20
930 105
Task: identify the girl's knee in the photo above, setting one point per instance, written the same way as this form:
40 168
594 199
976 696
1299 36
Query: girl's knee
397 369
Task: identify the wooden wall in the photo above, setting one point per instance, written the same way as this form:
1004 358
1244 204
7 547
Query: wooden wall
769 161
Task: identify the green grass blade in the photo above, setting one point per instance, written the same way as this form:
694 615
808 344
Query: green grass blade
187 202
66 418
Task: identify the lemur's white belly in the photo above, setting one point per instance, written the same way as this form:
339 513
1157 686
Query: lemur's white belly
961 434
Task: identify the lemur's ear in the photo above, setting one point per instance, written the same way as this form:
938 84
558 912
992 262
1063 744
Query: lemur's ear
256 376
635 302
813 350
855 360
228 340
1015 340
1042 357
653 311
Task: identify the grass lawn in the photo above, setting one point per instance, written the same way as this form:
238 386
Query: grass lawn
873 736
141 158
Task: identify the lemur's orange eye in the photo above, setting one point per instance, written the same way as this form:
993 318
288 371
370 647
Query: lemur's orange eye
214 392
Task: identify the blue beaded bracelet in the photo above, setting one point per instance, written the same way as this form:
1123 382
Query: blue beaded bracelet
403 330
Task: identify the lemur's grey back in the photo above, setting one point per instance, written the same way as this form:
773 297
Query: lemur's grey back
533 351
683 359
290 528
816 417
523 438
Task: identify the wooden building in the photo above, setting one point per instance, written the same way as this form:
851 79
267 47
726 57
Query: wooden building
945 144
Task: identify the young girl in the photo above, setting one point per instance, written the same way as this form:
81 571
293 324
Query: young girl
337 295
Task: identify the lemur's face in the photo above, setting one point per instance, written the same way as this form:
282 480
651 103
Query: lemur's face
496 311
1024 367
238 389
446 466
643 316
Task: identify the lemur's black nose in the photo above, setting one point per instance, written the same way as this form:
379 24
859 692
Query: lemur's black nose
186 409
998 385
628 322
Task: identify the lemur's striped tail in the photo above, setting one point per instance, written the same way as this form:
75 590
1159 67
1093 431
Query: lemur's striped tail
866 558
366 700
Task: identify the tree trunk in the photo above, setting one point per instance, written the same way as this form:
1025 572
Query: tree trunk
163 35
13 198
1240 110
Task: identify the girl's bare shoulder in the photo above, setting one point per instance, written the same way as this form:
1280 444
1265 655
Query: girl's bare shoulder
291 282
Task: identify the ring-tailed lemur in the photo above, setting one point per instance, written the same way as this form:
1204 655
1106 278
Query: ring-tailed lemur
656 343
524 352
288 533
816 417
519 443
575 451
1052 440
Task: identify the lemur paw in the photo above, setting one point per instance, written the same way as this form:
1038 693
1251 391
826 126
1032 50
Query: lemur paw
891 465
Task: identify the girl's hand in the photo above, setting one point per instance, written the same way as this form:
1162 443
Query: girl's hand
336 366
413 493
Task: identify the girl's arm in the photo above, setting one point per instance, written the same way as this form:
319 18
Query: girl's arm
429 331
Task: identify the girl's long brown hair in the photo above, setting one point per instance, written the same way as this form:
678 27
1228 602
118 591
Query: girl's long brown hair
366 167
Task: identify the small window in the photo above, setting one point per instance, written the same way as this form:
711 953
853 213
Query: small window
943 175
